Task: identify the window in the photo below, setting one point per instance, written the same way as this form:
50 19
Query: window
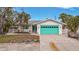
50 26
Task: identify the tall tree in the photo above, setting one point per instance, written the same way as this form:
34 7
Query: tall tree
6 18
23 17
72 22
65 17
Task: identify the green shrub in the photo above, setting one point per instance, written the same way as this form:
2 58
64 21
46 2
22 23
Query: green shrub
35 40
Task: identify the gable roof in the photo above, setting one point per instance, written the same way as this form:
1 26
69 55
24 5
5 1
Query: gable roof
41 21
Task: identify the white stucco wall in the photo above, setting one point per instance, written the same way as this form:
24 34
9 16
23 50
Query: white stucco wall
49 23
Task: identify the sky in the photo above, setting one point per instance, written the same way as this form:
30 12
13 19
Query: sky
41 13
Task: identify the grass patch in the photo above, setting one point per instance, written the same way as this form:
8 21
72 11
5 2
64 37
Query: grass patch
17 38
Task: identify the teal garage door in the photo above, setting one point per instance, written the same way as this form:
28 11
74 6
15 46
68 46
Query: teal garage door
49 29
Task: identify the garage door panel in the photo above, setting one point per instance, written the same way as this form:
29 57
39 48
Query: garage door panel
49 30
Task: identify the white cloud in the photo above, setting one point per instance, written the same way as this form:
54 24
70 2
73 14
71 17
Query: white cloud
66 7
69 8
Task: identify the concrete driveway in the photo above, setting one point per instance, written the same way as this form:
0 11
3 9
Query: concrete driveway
62 42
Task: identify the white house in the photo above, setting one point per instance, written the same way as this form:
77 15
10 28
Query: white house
45 27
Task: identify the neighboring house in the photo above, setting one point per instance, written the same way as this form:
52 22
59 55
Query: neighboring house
46 27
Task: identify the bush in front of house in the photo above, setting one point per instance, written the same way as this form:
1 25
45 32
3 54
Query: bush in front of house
35 40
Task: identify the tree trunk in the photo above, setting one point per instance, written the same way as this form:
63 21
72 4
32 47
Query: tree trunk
1 30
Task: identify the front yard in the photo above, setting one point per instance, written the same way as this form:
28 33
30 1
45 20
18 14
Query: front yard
19 43
18 38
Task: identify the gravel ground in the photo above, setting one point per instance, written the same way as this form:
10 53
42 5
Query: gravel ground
18 47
